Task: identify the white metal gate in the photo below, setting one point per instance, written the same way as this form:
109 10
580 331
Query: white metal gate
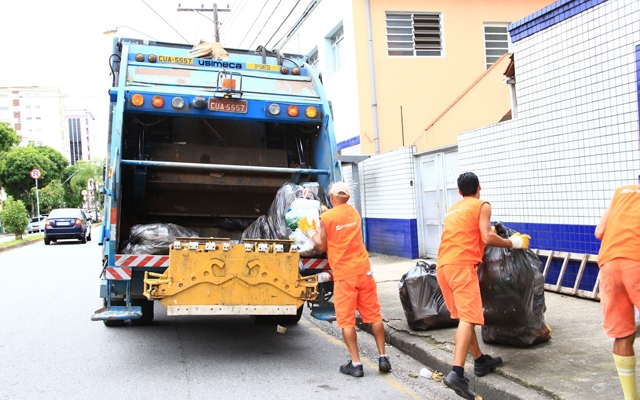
437 190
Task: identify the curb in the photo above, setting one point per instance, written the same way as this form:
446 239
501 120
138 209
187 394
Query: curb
14 246
493 386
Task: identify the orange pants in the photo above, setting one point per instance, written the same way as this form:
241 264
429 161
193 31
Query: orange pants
356 293
461 292
619 292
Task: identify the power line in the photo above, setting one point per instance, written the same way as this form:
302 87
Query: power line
233 16
256 20
265 24
306 12
174 29
283 21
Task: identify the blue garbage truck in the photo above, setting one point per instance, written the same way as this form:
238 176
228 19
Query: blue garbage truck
201 140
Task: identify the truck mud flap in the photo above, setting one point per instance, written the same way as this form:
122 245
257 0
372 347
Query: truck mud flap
117 313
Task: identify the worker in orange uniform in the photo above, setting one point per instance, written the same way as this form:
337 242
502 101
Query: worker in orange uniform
467 229
619 262
340 235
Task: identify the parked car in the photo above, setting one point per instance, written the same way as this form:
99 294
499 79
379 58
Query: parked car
36 224
67 223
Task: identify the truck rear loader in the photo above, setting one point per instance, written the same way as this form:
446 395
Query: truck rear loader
204 140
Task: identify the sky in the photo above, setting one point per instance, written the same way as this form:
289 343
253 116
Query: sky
62 43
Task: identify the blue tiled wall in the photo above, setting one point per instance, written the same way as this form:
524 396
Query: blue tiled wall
396 237
566 238
548 16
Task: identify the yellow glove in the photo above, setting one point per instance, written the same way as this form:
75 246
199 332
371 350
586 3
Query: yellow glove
306 227
519 241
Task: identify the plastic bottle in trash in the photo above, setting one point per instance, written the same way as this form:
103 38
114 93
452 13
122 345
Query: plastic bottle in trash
425 373
324 277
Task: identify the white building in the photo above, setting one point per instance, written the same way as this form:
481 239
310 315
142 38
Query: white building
79 135
37 114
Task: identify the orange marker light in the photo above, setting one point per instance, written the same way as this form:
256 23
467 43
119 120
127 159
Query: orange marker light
311 112
229 83
284 70
157 101
137 100
295 71
292 111
139 57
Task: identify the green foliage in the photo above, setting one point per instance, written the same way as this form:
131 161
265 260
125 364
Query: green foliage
8 137
14 217
51 196
84 171
19 163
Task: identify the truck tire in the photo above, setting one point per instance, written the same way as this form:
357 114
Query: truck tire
147 312
289 319
113 323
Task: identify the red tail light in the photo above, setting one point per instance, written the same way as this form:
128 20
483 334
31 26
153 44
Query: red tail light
47 223
78 222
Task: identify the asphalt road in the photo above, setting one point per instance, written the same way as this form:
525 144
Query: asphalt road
49 347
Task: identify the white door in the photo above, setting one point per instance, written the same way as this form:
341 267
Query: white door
437 191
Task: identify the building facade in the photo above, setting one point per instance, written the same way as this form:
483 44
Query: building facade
37 114
393 68
552 171
79 135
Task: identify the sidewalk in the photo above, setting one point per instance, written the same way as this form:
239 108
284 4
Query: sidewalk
576 363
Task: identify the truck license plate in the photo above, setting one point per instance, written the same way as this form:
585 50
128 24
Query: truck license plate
232 106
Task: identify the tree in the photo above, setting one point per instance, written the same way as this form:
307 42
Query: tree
14 217
8 137
19 163
84 172
51 196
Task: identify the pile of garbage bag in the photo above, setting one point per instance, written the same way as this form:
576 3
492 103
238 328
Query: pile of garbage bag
292 202
154 239
422 299
512 289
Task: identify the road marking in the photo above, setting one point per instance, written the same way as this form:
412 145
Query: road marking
391 380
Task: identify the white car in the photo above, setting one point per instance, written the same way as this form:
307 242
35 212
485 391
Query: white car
36 225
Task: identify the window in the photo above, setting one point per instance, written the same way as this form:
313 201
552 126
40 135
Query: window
414 34
37 106
38 118
496 43
337 49
28 107
313 59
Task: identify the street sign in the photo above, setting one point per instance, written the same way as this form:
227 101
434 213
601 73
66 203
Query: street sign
35 173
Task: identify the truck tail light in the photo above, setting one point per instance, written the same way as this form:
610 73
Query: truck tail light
157 101
137 100
311 112
274 109
293 111
177 103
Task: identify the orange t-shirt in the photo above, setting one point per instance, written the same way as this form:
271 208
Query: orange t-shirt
622 233
461 243
345 247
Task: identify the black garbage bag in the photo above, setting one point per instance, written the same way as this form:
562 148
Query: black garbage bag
422 299
512 289
155 239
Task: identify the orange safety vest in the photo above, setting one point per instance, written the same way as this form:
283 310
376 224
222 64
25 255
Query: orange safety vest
461 243
622 233
345 247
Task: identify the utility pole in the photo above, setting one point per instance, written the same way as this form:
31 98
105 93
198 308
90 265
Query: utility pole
215 11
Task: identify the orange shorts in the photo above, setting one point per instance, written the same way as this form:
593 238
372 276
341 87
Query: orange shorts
356 293
619 292
461 292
